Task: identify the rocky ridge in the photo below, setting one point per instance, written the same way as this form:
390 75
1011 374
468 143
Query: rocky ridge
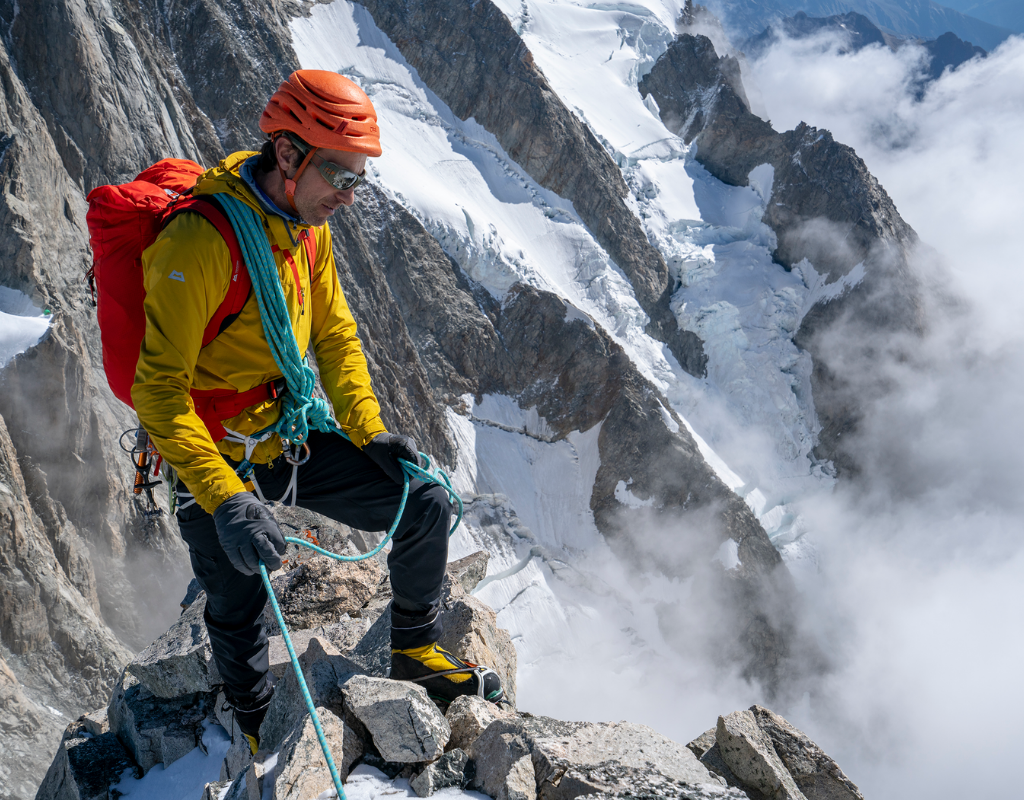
825 207
167 699
472 58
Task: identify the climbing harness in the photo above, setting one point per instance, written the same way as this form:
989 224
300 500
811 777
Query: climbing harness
300 413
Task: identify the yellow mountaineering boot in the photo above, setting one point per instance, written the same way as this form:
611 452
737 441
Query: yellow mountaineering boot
250 716
444 676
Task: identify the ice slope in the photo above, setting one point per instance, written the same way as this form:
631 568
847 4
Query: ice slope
754 409
22 324
753 415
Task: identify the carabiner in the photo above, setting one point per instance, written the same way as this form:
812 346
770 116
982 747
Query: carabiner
291 458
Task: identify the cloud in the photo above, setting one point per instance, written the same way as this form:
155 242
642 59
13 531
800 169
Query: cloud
918 599
951 162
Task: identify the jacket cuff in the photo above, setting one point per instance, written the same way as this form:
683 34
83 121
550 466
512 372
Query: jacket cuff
360 436
211 499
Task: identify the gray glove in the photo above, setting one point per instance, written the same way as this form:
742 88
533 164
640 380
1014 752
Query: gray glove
386 448
249 534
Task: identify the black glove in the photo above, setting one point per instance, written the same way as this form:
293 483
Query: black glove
386 448
249 533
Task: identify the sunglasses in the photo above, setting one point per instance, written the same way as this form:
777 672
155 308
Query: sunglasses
338 176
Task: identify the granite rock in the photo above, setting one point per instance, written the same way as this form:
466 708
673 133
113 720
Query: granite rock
449 771
468 717
180 661
816 775
748 752
301 771
85 766
403 723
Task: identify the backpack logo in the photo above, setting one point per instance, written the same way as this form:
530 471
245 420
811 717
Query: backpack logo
176 276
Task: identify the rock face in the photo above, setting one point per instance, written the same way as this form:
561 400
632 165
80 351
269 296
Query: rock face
470 55
576 377
825 207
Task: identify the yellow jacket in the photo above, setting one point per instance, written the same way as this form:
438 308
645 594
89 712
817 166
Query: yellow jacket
187 271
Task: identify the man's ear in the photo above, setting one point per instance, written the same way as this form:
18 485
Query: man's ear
287 154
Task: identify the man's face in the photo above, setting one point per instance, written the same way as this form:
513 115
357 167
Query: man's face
315 199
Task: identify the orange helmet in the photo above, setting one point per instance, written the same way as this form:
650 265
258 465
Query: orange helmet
325 110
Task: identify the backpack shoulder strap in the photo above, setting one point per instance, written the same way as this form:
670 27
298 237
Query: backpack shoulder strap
238 290
309 240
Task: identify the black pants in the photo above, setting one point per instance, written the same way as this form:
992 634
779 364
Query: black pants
340 482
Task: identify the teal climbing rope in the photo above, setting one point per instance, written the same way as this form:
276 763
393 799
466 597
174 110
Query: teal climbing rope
300 413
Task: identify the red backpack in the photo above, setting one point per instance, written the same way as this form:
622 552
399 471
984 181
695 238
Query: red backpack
123 221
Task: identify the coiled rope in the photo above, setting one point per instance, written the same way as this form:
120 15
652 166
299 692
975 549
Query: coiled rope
301 412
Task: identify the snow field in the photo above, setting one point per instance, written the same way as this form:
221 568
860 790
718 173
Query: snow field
501 227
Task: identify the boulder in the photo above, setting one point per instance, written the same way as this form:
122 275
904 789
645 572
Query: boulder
85 766
502 764
403 722
748 752
448 772
321 590
180 661
469 571
323 668
468 717
301 771
816 775
156 730
597 758
636 746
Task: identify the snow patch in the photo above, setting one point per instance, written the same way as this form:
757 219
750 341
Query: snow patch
186 777
627 498
22 324
728 554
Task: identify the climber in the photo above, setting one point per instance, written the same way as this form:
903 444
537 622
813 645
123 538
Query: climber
321 129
